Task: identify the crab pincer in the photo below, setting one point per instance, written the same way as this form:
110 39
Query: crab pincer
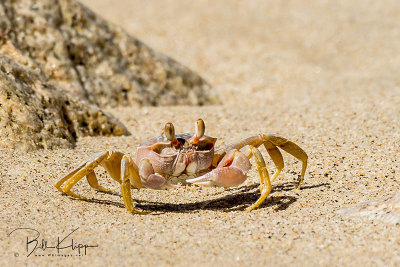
231 171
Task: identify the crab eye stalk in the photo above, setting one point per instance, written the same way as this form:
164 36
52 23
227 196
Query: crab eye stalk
200 128
169 131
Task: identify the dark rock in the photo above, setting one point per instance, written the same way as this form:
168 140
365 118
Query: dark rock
35 114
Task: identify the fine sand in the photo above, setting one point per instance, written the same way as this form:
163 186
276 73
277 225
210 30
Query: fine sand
324 74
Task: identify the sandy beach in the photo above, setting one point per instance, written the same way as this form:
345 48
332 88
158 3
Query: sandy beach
324 74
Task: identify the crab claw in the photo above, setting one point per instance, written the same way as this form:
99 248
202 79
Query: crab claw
231 171
150 179
156 181
224 177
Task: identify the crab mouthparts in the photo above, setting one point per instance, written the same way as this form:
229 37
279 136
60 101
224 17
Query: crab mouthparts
191 162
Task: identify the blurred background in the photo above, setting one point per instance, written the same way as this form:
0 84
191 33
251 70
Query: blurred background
272 49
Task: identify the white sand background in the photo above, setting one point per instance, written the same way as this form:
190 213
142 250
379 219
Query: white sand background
325 74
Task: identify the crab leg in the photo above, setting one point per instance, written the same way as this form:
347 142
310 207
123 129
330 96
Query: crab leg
271 142
109 160
292 149
84 169
276 157
65 178
120 167
112 165
265 182
94 183
129 177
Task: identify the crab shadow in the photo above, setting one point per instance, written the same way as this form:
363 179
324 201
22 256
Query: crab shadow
239 199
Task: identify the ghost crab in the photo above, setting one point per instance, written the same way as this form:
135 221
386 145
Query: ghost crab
189 155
